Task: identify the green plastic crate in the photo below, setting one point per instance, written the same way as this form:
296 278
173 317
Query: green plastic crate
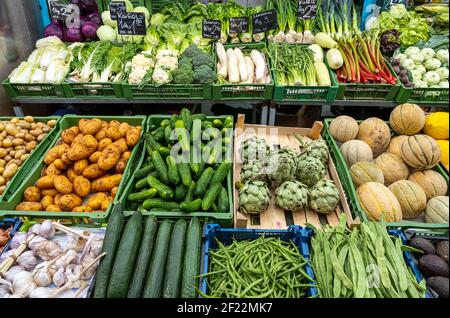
346 179
86 218
32 158
92 90
422 95
243 91
33 90
224 219
168 92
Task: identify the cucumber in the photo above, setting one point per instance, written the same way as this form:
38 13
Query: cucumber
182 136
195 167
192 206
142 196
190 193
223 205
159 134
201 117
143 172
217 123
185 173
125 258
144 257
201 166
191 263
164 191
160 167
142 183
173 120
180 192
151 142
174 267
165 151
203 182
221 173
159 204
211 196
165 123
167 133
186 116
155 274
214 208
174 177
110 245
228 122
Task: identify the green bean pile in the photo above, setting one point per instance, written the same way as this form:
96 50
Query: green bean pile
366 262
262 268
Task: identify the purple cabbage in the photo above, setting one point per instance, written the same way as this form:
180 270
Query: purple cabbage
94 17
54 30
74 35
89 31
83 20
88 6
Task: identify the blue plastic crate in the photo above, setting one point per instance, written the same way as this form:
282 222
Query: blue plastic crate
297 234
6 223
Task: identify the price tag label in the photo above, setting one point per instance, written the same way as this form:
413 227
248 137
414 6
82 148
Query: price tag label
61 11
307 9
115 7
131 23
239 25
211 29
264 21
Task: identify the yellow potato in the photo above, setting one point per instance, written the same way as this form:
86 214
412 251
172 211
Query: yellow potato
53 208
90 126
82 186
71 175
82 208
113 133
95 200
114 191
68 202
80 165
52 170
29 206
133 135
101 134
45 182
123 128
122 144
65 159
49 192
93 171
105 184
102 144
114 123
120 166
104 124
95 156
106 203
126 155
32 194
77 138
59 164
30 146
57 198
47 201
109 158
55 153
62 184
69 134
83 148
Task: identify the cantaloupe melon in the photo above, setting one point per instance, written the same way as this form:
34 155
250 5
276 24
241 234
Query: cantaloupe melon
411 197
395 147
393 168
407 119
344 128
377 201
431 182
356 150
421 152
376 133
364 171
437 210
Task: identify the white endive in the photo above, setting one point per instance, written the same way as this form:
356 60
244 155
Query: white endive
38 76
56 72
22 74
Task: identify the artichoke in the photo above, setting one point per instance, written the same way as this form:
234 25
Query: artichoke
254 197
292 196
319 149
281 165
310 170
256 170
254 149
324 197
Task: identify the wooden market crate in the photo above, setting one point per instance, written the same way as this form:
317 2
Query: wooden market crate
274 217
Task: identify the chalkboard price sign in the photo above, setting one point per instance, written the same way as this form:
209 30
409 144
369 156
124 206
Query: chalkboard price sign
115 7
131 23
307 9
264 21
239 25
61 11
211 29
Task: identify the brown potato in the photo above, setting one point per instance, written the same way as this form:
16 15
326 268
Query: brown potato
47 201
29 137
126 155
80 165
90 126
65 159
95 200
69 134
30 146
95 156
105 184
114 191
29 206
77 138
109 158
32 194
83 148
102 144
133 135
52 170
45 182
104 124
123 128
53 208
113 133
68 202
121 165
62 184
55 153
101 134
71 175
52 123
93 172
57 198
59 164
49 192
82 208
114 123
6 143
82 186
106 203
122 144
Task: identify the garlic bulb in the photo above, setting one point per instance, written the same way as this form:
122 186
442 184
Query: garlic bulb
48 250
27 260
72 271
91 271
41 275
96 246
59 278
18 238
41 292
69 257
12 272
35 241
34 229
75 243
23 284
47 229
5 255
5 291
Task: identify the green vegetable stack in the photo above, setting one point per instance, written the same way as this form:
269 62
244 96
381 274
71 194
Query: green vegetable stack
195 67
167 182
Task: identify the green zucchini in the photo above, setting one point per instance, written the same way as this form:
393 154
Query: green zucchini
155 275
185 173
159 204
180 192
125 258
163 190
221 173
173 175
190 193
110 245
143 172
223 205
144 257
142 196
160 167
203 182
191 263
211 196
174 267
192 206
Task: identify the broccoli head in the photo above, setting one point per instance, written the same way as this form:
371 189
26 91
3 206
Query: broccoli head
191 51
203 59
185 60
183 75
205 75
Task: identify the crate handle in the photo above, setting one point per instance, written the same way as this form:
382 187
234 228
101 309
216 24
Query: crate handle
316 130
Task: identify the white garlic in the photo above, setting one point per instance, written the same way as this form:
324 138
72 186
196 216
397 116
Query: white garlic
75 243
12 272
72 271
47 229
23 284
69 257
59 278
5 291
48 250
18 239
6 255
27 260
41 292
34 229
41 276
91 271
35 241
96 246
